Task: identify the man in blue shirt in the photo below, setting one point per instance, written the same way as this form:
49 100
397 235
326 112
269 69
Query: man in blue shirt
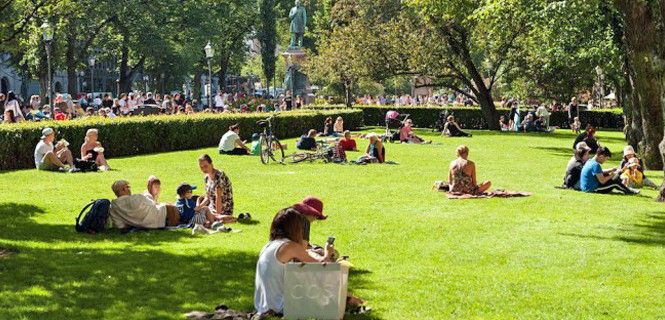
594 179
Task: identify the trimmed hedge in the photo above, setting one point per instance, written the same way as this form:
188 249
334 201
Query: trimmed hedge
469 117
153 134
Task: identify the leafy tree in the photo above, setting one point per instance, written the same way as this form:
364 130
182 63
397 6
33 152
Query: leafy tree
267 35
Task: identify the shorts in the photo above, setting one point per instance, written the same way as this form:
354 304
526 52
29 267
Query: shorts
199 218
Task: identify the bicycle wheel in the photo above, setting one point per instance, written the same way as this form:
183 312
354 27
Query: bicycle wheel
277 152
298 157
266 151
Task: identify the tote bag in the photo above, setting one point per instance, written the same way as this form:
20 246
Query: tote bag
315 290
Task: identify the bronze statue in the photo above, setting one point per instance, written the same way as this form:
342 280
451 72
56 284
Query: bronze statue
298 16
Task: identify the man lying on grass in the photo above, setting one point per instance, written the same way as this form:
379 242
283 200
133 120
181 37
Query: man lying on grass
594 179
136 210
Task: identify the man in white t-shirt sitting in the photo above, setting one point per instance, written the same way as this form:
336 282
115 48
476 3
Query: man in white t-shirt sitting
49 158
136 210
231 143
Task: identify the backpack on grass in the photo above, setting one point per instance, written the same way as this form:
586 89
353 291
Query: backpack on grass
95 219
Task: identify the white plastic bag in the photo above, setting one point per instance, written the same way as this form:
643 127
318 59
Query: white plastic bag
315 290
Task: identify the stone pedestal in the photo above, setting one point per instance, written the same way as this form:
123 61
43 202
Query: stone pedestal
295 80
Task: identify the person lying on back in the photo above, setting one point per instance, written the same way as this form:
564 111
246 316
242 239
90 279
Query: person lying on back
308 141
136 210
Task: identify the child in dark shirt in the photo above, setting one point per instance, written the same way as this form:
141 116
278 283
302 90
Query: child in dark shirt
191 211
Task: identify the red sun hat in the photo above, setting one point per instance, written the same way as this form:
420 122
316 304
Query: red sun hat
311 206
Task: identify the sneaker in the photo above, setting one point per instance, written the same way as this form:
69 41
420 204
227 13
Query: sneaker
74 170
62 169
216 225
199 229
104 168
634 191
223 228
244 217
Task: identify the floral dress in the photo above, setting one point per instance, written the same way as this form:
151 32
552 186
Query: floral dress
462 182
211 185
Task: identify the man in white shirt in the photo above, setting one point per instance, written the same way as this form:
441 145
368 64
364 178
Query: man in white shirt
47 158
231 143
135 210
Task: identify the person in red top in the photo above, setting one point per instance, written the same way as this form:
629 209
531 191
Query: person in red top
348 144
59 115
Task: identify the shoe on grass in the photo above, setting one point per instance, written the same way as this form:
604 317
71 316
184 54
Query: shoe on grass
216 225
74 170
199 229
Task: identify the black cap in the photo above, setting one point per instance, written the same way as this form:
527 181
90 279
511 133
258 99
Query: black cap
184 187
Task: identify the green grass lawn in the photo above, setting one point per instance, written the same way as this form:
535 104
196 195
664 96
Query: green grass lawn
556 255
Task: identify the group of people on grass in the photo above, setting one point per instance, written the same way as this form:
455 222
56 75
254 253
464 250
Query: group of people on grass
52 156
205 214
584 171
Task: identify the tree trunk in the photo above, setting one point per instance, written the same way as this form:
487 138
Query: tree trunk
223 69
348 94
124 67
641 41
70 60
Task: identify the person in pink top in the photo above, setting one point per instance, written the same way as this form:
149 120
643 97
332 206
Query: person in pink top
407 135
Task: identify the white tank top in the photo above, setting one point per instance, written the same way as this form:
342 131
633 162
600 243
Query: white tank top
269 283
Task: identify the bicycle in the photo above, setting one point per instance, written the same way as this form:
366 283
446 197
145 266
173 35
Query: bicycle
270 146
324 152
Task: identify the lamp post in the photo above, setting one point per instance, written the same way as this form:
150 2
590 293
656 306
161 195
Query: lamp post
145 81
47 36
117 88
92 61
599 72
210 52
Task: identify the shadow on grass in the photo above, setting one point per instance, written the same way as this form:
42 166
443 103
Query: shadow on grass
650 231
92 284
18 225
563 152
44 282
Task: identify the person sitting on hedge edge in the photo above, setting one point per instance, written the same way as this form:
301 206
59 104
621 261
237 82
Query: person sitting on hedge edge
231 144
452 129
53 159
308 141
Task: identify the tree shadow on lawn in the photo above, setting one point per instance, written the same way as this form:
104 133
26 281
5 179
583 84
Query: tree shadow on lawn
650 231
89 284
18 225
85 283
563 152
559 136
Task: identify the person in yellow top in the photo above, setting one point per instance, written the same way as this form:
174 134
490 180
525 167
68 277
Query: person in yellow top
632 176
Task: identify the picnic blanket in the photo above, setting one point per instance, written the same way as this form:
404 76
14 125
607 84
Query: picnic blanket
486 195
443 186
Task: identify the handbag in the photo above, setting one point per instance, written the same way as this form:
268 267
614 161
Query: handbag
315 290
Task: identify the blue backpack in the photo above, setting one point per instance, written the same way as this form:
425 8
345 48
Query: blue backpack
95 219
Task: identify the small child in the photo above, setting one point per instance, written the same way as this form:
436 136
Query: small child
633 177
191 211
256 145
576 126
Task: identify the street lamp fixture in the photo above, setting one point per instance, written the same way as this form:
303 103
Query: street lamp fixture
92 61
146 78
47 36
210 53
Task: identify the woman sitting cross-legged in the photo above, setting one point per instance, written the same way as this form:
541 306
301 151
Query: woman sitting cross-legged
462 175
574 170
452 129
